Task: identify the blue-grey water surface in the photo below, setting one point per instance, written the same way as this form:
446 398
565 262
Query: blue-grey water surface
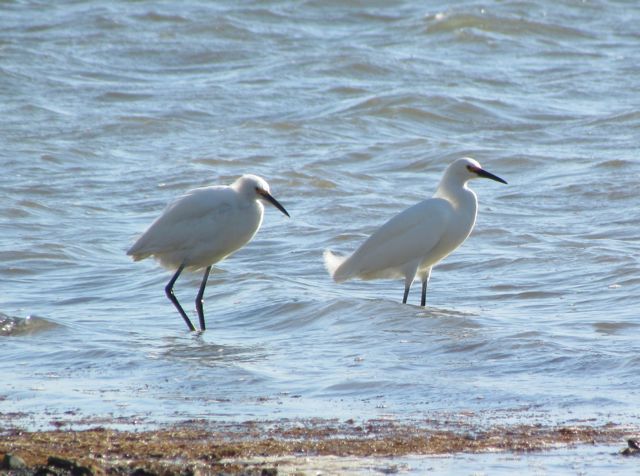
351 110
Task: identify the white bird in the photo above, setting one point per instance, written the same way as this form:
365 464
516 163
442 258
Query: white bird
202 227
415 240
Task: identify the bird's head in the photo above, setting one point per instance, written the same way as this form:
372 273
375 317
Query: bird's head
468 168
258 188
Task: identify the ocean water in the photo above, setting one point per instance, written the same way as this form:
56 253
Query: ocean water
351 110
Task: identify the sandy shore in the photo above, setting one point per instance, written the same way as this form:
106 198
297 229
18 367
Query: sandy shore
281 447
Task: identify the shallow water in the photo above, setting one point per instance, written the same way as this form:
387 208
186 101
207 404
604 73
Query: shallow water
596 459
351 110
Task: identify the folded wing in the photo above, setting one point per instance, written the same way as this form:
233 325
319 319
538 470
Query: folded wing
405 239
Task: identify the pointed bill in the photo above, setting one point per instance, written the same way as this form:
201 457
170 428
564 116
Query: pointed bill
489 175
269 198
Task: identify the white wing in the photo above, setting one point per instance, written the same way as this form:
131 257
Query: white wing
188 226
406 238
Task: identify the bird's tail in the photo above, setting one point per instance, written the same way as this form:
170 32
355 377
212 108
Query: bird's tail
136 252
333 264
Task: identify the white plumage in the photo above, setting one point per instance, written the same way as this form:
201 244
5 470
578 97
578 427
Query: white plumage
203 227
416 239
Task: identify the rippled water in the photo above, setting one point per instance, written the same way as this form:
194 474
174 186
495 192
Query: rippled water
351 110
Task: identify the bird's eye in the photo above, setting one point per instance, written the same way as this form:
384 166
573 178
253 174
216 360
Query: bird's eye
469 168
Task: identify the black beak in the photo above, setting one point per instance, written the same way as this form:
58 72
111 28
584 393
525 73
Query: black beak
489 175
269 198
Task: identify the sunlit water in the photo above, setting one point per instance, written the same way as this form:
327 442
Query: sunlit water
351 110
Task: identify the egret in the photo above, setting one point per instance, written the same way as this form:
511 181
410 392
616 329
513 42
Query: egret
412 242
203 227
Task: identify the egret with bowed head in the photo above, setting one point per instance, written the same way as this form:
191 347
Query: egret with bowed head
412 242
203 227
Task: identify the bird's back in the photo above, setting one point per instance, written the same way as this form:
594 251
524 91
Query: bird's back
405 238
199 228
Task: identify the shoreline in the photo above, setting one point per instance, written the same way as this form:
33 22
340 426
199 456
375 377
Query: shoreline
288 446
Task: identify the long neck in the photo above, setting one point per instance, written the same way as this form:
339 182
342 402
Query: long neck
456 191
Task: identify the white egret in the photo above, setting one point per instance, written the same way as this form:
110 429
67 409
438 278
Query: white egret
202 227
415 240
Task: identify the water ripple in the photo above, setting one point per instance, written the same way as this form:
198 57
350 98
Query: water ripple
351 112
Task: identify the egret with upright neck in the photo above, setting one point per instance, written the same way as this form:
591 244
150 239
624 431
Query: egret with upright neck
412 242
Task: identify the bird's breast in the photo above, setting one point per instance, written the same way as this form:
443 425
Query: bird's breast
458 228
248 221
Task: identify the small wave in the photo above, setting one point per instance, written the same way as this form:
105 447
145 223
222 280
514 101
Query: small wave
19 326
617 118
346 90
118 96
528 295
436 110
297 178
615 164
611 328
197 349
354 387
515 27
162 17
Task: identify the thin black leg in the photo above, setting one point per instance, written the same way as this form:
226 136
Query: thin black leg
200 297
423 300
407 286
169 292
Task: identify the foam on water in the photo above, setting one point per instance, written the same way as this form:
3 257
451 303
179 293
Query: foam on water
18 326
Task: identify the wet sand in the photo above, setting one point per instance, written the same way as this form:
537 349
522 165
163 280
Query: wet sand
272 447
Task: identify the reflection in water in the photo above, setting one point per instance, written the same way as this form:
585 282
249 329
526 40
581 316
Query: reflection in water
199 350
